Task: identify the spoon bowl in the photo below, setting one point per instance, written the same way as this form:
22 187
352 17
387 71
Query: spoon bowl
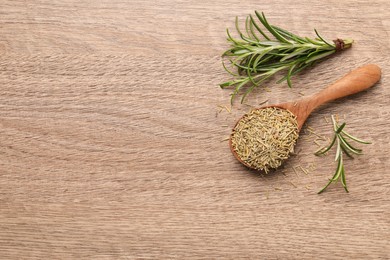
355 81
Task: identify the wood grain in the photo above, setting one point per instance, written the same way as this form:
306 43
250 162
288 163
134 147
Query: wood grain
111 136
357 80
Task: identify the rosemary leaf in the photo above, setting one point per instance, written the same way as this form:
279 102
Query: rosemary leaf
323 150
320 56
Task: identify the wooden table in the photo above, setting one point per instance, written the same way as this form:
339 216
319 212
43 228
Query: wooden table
111 135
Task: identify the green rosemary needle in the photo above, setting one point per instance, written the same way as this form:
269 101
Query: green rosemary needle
260 53
341 139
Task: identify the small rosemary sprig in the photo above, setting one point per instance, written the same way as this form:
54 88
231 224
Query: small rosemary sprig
258 55
343 146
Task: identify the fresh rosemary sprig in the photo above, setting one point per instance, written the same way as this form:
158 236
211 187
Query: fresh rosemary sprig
343 147
258 55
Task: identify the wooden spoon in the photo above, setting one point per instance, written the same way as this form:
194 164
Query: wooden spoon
355 81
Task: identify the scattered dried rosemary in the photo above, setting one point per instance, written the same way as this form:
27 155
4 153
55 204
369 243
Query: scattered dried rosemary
265 137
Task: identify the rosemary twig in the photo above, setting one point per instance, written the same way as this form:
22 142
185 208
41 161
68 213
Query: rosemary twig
341 139
260 53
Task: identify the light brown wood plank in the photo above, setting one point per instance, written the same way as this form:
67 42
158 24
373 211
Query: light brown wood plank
112 139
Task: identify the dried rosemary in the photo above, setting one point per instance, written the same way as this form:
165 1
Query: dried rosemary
265 137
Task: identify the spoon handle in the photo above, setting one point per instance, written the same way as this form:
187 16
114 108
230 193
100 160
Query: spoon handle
355 81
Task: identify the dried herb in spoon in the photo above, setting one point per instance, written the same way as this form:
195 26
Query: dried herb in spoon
265 137
260 53
341 139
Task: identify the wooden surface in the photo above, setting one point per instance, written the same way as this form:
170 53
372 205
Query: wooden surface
111 135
